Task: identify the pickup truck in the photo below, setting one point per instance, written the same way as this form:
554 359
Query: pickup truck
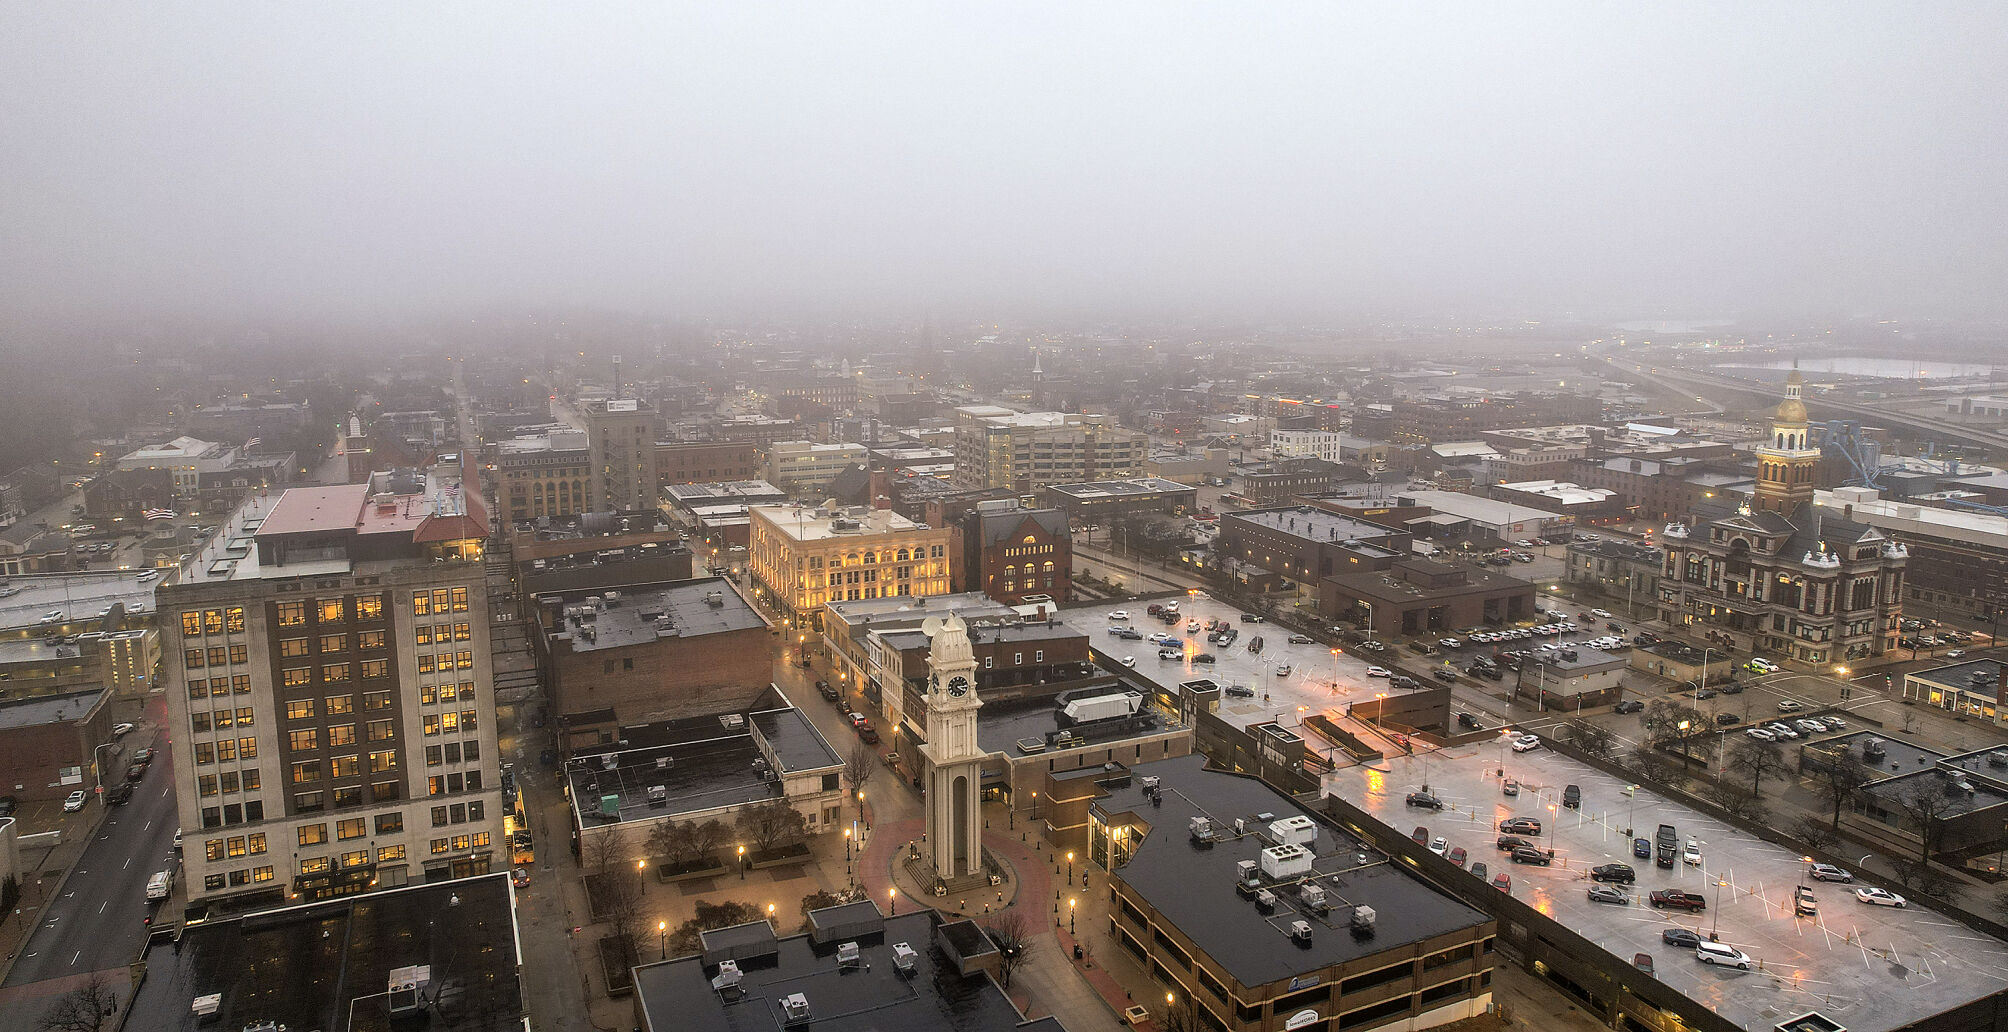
1669 845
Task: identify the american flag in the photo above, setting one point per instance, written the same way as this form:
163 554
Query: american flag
253 443
159 514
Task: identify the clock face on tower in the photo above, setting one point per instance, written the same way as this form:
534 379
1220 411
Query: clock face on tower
958 686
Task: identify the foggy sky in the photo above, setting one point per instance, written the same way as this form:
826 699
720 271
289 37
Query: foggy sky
1017 159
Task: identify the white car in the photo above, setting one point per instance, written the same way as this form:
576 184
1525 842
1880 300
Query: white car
1600 614
1283 670
121 730
1791 706
1170 654
1692 854
1781 731
1834 723
1450 643
1379 671
1526 743
1762 665
1809 725
1120 614
1761 734
1879 897
75 802
1439 845
1129 661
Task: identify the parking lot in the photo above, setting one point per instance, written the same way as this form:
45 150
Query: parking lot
1868 967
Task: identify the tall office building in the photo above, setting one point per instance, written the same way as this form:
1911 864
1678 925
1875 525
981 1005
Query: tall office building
1026 451
330 698
621 438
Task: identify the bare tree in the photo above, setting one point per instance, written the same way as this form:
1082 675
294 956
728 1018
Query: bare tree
600 852
1012 933
1838 777
1651 764
707 838
669 843
90 1007
1594 739
710 916
1815 833
1663 719
772 823
859 767
1923 802
621 902
1739 801
1760 760
1179 1016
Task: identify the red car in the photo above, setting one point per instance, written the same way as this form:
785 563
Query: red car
1456 856
1678 900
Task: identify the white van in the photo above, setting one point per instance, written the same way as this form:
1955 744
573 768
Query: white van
157 886
1722 953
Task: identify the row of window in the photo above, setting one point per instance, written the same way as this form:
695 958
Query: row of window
239 684
351 828
329 610
214 655
246 780
439 600
430 662
226 751
235 846
346 796
428 633
309 739
295 648
306 772
206 720
249 811
212 621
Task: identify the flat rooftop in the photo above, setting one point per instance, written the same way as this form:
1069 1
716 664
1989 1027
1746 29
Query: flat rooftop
874 996
683 609
1005 724
1120 488
1482 510
804 524
79 596
1193 885
1870 968
1978 675
710 764
739 491
1312 523
328 965
48 709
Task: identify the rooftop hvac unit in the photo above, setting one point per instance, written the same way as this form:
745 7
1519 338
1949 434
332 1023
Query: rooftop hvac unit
609 761
1202 829
663 762
1363 920
1300 932
794 1009
732 721
207 1006
1149 782
1300 830
1265 899
1314 896
1244 872
728 976
406 992
613 599
1286 861
904 958
658 797
848 955
715 600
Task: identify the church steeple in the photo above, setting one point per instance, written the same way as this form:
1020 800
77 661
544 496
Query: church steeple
1787 463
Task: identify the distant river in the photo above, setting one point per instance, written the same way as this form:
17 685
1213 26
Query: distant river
1888 368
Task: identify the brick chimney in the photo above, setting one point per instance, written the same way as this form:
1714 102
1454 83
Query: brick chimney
881 489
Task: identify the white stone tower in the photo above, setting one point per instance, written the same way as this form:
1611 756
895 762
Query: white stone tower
954 819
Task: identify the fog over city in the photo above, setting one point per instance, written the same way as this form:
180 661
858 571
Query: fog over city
1020 161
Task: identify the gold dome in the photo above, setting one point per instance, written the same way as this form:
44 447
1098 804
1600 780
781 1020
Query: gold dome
1791 410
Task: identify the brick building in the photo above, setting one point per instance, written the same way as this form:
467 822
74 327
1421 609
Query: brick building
1008 553
706 462
621 438
1103 500
547 473
648 652
48 744
1413 596
1305 544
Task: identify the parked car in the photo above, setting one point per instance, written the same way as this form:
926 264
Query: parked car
1526 743
121 730
1375 671
1456 856
1520 826
1606 894
1444 673
1790 706
143 756
868 736
135 772
1509 787
1203 657
1120 615
1531 855
1477 870
1450 643
1400 681
1879 897
827 691
1420 835
1170 654
1680 937
859 720
1691 856
1503 882
1439 845
1642 848
1677 899
1804 903
119 795
1424 800
1628 706
1239 691
1572 797
1301 639
1466 720
75 801
1727 719
1721 953
1620 873
1283 670
1509 843
1828 872
1129 661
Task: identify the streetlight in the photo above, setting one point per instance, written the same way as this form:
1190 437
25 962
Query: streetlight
662 937
1715 923
847 844
770 913
742 863
1071 902
862 815
1070 867
892 901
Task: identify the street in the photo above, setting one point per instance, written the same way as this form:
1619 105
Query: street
99 920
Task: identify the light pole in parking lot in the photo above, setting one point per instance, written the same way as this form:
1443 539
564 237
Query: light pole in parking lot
1715 923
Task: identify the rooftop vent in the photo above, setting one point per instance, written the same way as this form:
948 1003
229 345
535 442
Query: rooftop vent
1363 921
732 721
1300 933
848 955
1265 899
1245 872
728 976
794 1009
1314 896
904 958
1202 829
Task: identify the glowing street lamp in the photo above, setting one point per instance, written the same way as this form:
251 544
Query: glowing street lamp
1071 903
662 937
742 863
1070 867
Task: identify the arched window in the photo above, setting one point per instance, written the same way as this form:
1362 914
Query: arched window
1049 567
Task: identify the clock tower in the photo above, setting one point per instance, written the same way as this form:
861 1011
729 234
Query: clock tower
954 819
1787 463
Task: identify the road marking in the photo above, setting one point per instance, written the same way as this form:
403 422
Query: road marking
127 864
73 960
102 906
